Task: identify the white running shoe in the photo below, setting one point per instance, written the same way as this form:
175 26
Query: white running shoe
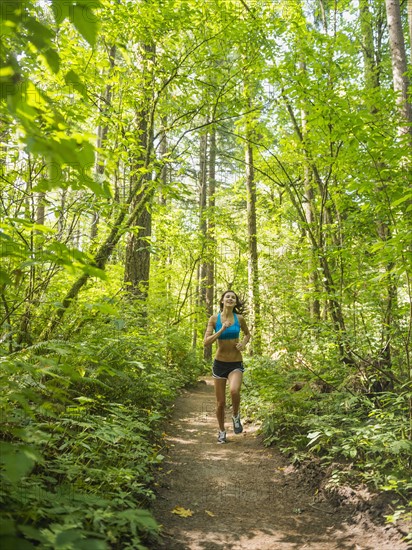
221 438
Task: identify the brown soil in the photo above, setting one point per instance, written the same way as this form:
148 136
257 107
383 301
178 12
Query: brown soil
245 496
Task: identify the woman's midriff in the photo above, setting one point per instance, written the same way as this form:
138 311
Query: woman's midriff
226 350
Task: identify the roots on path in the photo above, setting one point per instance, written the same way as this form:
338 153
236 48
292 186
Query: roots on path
244 496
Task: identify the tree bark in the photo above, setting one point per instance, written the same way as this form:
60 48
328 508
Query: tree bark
253 266
371 69
383 226
410 27
164 174
202 271
399 64
211 240
102 132
310 214
137 265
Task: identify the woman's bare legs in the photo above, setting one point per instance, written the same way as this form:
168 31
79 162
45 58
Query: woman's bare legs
235 383
220 392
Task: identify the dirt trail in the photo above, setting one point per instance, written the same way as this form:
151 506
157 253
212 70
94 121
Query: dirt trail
243 495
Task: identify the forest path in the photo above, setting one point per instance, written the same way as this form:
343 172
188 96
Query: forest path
243 495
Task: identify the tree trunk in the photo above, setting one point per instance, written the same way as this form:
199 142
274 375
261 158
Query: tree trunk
211 240
310 209
371 70
40 208
121 225
101 138
137 265
410 26
164 174
253 267
202 271
399 63
383 228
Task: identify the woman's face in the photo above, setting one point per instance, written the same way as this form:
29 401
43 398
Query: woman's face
229 299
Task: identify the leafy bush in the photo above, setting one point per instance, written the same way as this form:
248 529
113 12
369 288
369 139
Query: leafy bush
306 416
81 437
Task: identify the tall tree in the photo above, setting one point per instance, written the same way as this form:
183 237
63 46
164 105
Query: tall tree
137 265
253 266
102 131
210 234
399 64
410 26
202 186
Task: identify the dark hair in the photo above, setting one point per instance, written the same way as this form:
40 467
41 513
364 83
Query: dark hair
239 307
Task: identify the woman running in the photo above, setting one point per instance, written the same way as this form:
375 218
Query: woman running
224 328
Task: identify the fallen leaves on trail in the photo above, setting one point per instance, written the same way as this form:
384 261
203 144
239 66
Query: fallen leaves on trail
211 514
182 512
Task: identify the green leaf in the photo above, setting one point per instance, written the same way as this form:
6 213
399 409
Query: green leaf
15 543
17 461
9 247
100 189
61 10
32 533
91 544
53 59
42 34
85 21
68 536
403 199
94 271
8 78
72 79
7 527
4 278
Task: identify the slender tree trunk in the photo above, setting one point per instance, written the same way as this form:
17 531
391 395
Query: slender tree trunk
253 267
211 240
195 304
164 174
123 223
102 132
399 63
410 28
314 303
383 228
23 336
371 70
137 265
310 209
202 271
40 208
165 259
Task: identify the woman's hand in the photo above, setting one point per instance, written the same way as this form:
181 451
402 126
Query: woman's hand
240 346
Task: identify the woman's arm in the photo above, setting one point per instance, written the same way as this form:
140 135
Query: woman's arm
246 334
210 336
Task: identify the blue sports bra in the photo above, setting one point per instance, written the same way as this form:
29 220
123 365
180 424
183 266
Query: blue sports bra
231 332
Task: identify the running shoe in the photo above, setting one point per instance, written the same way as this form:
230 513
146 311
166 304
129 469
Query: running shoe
237 425
221 438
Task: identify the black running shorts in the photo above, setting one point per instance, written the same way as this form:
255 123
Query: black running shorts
222 369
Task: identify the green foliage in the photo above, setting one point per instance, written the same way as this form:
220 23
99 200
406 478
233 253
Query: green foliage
368 435
82 437
77 94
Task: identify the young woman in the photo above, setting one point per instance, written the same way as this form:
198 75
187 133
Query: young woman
224 328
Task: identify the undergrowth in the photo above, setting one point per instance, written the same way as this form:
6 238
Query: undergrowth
81 437
308 416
